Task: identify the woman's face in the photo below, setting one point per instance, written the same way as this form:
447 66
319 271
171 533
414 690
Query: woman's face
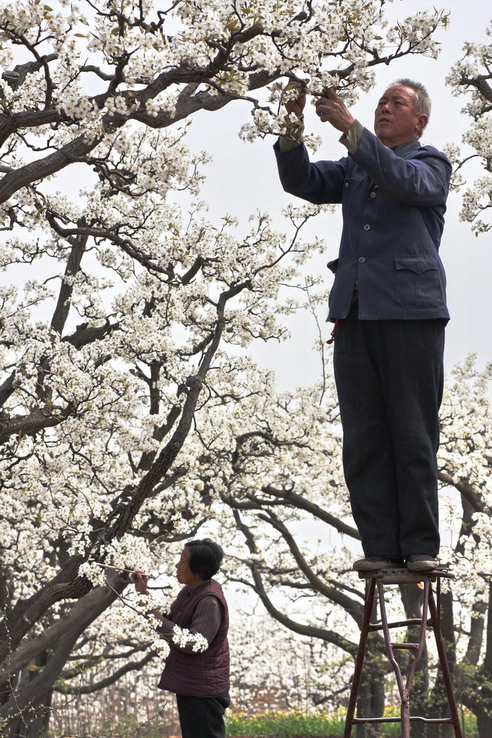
183 571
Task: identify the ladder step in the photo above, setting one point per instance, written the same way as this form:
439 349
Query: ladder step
416 718
409 646
397 624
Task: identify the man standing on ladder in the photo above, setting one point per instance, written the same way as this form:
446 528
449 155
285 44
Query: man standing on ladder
388 303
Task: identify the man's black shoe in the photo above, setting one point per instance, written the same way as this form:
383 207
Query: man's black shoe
373 563
421 562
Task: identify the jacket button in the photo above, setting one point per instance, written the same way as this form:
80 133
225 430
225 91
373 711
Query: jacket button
373 194
367 227
362 259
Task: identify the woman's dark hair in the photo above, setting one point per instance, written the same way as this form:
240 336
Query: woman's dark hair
205 557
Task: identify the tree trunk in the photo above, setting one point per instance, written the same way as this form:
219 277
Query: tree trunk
26 704
34 722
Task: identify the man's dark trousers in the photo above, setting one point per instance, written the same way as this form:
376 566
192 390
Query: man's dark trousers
202 717
389 377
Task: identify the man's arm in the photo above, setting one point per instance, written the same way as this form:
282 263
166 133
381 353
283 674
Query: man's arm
422 180
319 182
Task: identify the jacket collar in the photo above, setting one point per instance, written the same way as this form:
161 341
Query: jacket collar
407 147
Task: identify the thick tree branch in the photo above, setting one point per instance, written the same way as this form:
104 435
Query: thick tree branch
42 168
106 682
466 489
125 512
65 585
310 631
351 606
33 422
88 606
292 498
62 308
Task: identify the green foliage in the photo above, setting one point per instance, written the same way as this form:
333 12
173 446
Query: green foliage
280 724
305 725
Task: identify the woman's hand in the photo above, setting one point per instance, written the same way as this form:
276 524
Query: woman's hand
140 581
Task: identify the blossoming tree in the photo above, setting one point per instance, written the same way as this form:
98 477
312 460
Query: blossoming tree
472 77
125 313
273 461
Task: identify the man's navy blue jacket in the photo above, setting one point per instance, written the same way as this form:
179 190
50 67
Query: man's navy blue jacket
393 205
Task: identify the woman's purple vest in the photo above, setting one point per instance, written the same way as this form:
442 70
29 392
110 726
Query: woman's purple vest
198 674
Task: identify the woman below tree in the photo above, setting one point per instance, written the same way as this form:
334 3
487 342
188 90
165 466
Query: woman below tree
199 678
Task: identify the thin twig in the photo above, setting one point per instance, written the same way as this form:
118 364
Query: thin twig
127 604
117 568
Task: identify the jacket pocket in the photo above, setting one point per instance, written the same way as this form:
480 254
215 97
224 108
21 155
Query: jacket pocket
418 282
353 193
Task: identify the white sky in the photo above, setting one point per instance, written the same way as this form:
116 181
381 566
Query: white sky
243 178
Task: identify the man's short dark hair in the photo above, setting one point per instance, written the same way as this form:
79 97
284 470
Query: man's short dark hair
205 557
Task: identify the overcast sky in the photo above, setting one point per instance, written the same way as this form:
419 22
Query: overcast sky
243 178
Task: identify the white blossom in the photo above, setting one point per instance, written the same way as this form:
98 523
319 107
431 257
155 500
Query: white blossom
183 637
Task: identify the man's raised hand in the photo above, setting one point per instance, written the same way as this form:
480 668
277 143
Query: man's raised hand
296 105
330 109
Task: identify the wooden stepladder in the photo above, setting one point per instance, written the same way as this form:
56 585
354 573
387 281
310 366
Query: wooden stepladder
430 619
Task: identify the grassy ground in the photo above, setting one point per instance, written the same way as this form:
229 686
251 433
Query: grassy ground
278 725
300 725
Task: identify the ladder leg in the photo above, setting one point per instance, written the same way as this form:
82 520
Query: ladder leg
405 705
387 640
405 717
368 606
421 643
446 674
402 688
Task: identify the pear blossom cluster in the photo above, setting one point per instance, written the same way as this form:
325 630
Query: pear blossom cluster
183 637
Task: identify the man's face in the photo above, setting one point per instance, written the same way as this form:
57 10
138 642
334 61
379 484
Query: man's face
395 119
